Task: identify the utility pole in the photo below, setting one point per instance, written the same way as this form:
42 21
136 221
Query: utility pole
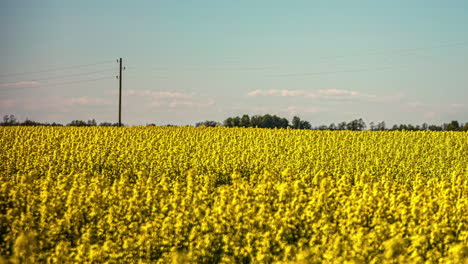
120 92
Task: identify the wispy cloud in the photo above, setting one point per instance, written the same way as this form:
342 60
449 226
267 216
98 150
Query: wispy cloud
431 115
170 99
85 100
293 110
161 94
20 84
459 106
422 105
277 92
6 104
435 111
290 110
53 102
327 93
182 103
415 104
157 94
188 103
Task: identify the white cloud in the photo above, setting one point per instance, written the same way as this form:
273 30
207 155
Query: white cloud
276 92
167 99
459 106
431 115
6 104
20 84
53 102
170 99
85 100
128 92
157 94
188 103
327 93
343 93
292 110
152 94
434 112
415 104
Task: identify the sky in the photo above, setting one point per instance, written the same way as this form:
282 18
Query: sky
188 61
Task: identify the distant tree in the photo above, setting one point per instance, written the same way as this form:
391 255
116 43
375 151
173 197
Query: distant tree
381 126
342 126
273 121
245 121
465 127
9 120
28 122
332 126
77 123
207 124
372 126
105 124
6 120
361 124
305 125
435 128
236 121
228 122
424 126
453 126
296 122
357 124
267 121
92 122
403 127
256 121
284 123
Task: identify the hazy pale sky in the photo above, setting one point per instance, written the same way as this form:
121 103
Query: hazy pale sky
187 61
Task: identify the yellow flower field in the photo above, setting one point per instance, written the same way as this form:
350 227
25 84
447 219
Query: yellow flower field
232 195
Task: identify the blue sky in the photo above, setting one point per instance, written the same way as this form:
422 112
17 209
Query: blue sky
188 61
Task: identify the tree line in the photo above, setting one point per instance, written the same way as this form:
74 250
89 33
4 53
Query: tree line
268 121
11 120
273 121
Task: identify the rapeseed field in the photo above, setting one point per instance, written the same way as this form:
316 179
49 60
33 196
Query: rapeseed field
232 195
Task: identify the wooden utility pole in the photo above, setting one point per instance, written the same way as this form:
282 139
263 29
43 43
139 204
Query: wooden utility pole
120 93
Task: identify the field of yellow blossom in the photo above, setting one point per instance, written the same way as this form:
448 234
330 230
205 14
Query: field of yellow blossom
232 195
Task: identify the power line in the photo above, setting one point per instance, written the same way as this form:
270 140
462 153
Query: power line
208 68
59 77
81 81
331 72
153 75
255 68
400 51
56 69
403 51
396 51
